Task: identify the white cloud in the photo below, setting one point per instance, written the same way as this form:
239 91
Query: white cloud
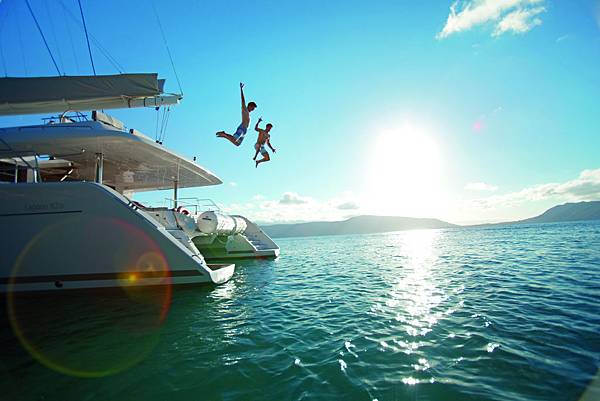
293 208
480 186
517 16
584 187
350 205
529 201
519 21
292 198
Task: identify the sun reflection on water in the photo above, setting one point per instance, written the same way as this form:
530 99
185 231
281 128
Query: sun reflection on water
416 292
414 300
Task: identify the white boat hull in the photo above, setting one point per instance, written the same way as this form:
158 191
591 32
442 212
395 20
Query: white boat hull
79 235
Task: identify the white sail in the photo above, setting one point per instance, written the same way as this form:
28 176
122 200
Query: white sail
81 93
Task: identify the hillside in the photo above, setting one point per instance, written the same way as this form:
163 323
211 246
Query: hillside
567 212
354 225
380 224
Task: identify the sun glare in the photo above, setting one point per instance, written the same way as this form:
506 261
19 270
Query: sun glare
405 173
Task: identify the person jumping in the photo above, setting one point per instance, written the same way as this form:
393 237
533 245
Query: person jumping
239 134
264 137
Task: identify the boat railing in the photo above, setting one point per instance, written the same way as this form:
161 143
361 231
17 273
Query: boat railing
31 160
17 157
194 205
77 116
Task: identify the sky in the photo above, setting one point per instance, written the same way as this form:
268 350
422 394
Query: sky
468 111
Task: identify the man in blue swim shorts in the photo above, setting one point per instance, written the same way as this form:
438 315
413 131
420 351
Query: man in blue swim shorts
264 138
239 134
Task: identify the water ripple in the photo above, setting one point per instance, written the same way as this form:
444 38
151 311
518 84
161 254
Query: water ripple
501 313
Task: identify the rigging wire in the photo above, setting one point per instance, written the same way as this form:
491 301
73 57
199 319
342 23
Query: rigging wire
87 38
21 47
156 129
162 32
42 34
167 111
95 41
72 44
3 61
162 132
108 56
60 58
165 122
162 125
3 18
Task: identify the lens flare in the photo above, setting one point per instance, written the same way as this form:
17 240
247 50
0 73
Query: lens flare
83 332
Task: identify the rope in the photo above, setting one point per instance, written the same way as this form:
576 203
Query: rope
42 34
162 32
87 38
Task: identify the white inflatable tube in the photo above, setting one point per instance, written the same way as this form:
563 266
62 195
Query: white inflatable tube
220 224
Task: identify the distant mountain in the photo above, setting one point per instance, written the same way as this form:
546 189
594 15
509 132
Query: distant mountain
567 212
354 225
380 224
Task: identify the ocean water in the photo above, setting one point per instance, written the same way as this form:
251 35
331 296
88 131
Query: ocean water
506 313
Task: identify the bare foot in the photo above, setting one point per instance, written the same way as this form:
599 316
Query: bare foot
220 134
256 165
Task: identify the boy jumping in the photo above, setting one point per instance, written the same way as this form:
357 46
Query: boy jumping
263 138
239 134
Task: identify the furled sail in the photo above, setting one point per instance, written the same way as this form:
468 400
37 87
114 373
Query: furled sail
81 93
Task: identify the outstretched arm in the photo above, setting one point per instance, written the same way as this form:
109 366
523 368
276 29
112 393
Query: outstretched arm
269 143
242 93
258 122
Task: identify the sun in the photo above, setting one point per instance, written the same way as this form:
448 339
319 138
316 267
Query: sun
404 173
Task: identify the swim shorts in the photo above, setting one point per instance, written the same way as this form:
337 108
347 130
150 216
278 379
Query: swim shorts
261 149
240 132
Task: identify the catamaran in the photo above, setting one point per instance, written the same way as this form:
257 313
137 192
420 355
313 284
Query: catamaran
66 189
